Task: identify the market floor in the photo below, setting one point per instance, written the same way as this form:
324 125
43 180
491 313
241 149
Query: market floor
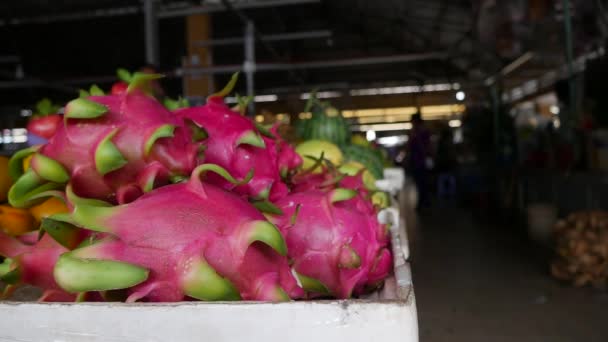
482 282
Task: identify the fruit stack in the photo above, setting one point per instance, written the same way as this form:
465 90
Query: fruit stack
582 249
195 203
326 123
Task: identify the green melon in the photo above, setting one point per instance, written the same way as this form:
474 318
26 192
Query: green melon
326 124
316 148
365 156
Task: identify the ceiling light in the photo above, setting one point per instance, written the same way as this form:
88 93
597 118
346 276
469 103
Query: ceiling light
460 96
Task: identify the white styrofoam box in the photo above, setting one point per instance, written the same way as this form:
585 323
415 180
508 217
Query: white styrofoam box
393 181
388 314
391 216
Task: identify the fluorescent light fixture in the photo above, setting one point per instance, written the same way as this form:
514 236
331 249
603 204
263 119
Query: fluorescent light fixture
409 89
392 140
364 92
384 119
265 98
383 127
370 135
322 95
257 98
455 123
230 99
460 96
436 87
404 113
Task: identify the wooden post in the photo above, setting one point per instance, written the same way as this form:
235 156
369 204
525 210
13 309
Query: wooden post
198 28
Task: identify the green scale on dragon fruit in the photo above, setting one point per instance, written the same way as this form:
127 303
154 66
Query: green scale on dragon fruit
197 241
112 148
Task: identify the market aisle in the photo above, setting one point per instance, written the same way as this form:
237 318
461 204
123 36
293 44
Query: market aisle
477 282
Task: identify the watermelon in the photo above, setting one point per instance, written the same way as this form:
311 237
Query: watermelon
365 156
326 123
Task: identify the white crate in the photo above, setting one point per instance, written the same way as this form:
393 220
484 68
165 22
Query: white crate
389 314
393 181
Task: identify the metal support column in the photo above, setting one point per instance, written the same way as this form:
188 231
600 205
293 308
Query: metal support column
249 64
568 120
151 32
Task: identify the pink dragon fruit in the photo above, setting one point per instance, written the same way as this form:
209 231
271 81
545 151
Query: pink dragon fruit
235 143
186 240
33 264
305 181
367 200
336 250
112 148
288 160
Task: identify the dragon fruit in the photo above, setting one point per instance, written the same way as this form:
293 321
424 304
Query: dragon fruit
336 249
235 143
180 241
33 264
112 148
288 161
348 176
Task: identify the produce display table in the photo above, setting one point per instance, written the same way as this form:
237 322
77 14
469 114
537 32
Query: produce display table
389 314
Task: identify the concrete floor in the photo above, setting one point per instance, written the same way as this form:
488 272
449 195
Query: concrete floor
481 282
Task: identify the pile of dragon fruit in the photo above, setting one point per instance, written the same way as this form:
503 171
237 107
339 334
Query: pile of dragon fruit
197 203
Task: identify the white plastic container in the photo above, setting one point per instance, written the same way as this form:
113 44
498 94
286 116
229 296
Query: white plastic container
388 314
393 181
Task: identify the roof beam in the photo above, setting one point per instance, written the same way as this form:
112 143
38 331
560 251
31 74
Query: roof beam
321 64
268 38
210 8
163 12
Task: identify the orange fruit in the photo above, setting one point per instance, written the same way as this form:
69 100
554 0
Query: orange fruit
5 178
47 208
15 221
